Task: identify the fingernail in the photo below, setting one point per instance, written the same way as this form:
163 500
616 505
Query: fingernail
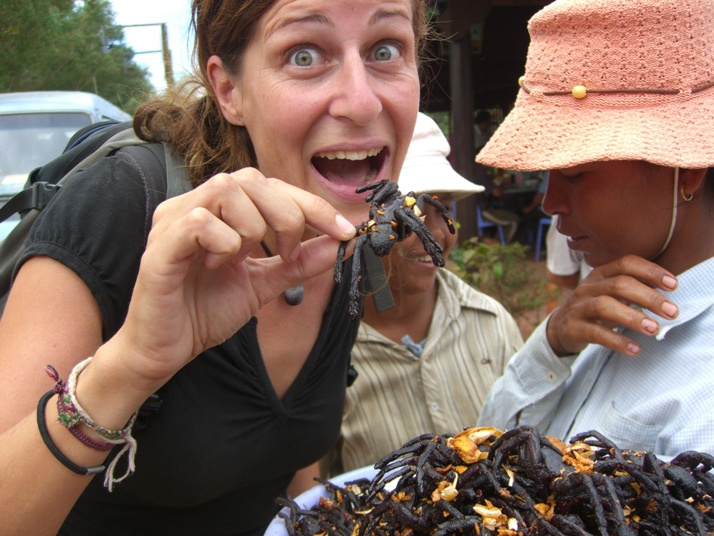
669 281
296 252
343 225
649 326
669 309
633 348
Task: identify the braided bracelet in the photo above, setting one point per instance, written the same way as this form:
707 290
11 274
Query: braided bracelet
71 413
76 431
57 453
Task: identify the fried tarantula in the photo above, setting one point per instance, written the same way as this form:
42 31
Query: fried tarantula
392 218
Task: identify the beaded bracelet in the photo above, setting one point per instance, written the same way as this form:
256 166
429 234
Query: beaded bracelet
56 452
71 413
76 431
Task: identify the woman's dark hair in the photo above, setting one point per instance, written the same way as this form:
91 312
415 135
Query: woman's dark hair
188 116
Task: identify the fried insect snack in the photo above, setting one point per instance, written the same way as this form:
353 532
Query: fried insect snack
519 482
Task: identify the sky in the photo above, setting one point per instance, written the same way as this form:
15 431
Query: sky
177 16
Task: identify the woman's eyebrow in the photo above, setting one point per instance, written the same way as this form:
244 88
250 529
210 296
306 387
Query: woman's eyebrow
315 18
383 14
318 18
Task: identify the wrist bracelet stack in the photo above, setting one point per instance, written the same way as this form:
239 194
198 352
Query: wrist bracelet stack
72 416
42 425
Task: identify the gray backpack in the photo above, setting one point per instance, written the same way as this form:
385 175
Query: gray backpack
86 147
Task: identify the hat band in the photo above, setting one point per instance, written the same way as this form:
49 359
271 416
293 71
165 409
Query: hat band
580 91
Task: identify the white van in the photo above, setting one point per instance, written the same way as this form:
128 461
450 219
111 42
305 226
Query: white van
35 127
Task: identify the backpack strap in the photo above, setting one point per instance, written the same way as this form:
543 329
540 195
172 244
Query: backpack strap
171 168
36 196
46 180
175 175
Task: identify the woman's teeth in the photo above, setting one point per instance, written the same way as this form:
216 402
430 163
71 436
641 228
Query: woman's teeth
349 155
423 258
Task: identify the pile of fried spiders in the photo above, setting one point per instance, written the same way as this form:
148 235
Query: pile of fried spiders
483 481
392 218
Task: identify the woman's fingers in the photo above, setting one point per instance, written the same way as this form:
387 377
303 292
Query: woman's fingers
287 210
249 203
614 295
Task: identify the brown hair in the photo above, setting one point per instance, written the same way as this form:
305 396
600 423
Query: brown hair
188 116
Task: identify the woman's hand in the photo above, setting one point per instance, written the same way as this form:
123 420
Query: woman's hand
603 301
197 285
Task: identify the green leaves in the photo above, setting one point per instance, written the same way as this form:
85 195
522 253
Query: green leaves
67 45
504 273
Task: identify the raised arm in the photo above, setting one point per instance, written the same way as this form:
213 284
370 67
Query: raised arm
196 287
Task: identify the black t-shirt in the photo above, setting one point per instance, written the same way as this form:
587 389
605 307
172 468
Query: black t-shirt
222 446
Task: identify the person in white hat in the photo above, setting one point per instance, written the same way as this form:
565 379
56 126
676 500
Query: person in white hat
427 364
617 102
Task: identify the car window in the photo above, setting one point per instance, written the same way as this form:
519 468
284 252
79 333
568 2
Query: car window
30 140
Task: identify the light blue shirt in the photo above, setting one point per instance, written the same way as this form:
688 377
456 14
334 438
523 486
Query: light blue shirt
661 401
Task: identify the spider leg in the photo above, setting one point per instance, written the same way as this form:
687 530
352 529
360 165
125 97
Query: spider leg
339 263
431 246
381 191
431 200
371 186
356 270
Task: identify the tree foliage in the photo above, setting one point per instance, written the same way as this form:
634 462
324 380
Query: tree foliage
68 45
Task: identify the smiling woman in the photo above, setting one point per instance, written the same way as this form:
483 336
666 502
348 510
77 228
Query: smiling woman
438 351
296 103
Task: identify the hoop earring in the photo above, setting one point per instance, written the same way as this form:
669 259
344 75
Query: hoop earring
684 196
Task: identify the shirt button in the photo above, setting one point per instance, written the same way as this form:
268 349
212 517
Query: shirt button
551 376
434 406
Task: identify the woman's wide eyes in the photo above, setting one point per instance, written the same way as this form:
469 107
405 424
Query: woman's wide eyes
386 52
305 57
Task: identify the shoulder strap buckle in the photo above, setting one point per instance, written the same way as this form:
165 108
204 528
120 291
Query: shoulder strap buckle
42 193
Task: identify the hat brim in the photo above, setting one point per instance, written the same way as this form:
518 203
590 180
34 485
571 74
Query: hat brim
557 132
436 179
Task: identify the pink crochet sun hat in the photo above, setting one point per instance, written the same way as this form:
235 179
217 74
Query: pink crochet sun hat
613 80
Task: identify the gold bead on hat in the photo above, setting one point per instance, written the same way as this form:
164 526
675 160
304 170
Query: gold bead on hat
579 92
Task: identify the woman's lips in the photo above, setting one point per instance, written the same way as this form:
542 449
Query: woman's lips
342 172
423 258
576 242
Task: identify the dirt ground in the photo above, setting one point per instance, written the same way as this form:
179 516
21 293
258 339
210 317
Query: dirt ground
529 322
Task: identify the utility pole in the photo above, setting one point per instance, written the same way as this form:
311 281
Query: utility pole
168 68
165 50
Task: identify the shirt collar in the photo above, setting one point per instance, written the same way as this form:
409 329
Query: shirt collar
692 296
461 295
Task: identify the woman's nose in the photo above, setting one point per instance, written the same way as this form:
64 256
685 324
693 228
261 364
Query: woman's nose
355 96
554 201
435 223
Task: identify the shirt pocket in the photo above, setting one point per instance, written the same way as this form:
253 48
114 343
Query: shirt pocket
626 432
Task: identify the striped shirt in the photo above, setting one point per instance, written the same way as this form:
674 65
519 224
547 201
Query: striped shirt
661 400
398 396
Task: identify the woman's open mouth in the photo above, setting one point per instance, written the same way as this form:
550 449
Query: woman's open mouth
344 171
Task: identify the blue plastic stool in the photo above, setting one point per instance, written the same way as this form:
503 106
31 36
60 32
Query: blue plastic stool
482 224
544 222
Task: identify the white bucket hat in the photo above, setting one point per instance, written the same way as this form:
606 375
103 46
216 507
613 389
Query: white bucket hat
426 169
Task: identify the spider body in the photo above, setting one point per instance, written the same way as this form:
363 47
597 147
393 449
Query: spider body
392 218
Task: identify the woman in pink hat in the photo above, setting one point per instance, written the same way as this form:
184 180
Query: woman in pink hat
617 101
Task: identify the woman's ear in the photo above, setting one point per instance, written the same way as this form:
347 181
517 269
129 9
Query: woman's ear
227 92
691 180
